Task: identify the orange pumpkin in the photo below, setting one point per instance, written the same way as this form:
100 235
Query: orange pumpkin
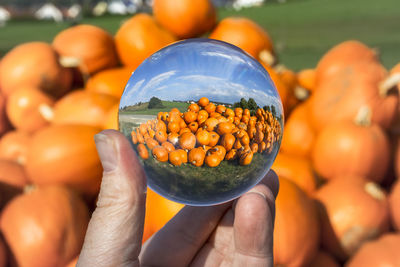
297 169
65 154
72 263
4 123
34 64
283 91
110 81
159 211
91 46
247 35
353 210
29 109
341 56
45 226
111 119
185 18
83 107
306 78
394 201
324 259
351 148
348 83
391 82
298 136
14 146
139 37
296 234
382 252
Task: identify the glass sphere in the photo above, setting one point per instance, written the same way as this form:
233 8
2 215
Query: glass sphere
205 119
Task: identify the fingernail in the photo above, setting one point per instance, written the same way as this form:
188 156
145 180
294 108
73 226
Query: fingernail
107 152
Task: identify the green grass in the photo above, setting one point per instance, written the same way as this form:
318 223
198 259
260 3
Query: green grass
302 30
143 109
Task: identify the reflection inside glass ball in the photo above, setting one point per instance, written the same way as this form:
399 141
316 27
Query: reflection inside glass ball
204 118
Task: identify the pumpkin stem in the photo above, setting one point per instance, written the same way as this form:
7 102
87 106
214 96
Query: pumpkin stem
301 93
374 191
363 117
46 111
69 62
389 83
267 57
29 188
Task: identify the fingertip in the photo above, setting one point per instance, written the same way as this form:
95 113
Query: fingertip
271 180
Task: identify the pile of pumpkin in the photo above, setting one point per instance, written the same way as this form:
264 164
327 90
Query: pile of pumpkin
339 163
207 133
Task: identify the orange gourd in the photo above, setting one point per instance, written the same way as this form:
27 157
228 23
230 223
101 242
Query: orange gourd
297 229
394 201
382 252
65 154
307 79
354 148
283 91
185 18
110 81
91 46
45 226
324 259
34 64
111 118
347 83
139 37
160 153
159 211
247 35
14 146
196 156
83 107
298 136
353 210
187 140
29 109
296 169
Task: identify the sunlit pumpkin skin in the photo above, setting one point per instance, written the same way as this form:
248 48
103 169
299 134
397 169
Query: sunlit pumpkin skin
65 154
139 37
4 123
12 180
298 136
394 200
14 146
306 78
343 54
110 81
72 263
92 46
395 127
353 210
245 34
297 230
185 18
324 259
3 254
34 64
111 119
280 86
348 148
382 252
340 96
297 169
45 227
29 109
83 107
159 211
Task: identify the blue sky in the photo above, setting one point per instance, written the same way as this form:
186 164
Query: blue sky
195 68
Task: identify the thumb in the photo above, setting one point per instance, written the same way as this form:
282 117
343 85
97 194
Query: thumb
114 234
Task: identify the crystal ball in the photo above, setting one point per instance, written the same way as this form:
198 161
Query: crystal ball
205 120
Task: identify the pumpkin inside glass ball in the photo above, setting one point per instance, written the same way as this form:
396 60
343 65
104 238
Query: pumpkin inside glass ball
205 120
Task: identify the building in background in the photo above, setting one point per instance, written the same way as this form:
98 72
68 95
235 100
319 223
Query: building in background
49 12
4 16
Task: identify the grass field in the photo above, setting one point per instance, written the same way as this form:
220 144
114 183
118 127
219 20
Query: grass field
143 109
302 30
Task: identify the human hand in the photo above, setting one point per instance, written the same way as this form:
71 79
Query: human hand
238 233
